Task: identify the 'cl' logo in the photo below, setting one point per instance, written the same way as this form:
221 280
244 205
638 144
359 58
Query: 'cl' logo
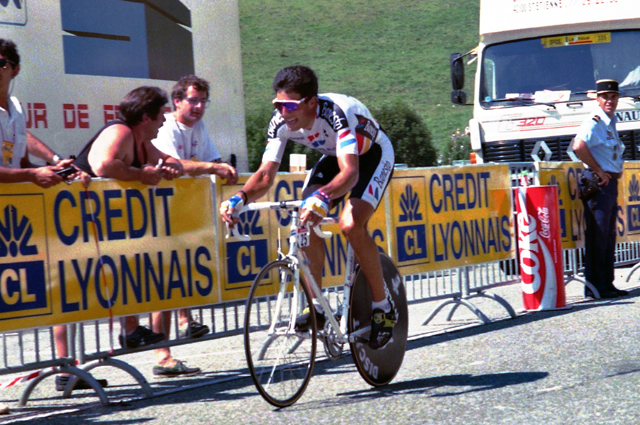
15 233
409 204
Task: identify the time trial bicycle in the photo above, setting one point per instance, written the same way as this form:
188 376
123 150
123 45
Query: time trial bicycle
281 359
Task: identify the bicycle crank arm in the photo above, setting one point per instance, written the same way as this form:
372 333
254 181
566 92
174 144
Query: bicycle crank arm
357 335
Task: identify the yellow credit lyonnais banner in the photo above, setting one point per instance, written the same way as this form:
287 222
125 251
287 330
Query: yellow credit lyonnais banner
242 260
68 254
628 220
572 223
449 217
565 176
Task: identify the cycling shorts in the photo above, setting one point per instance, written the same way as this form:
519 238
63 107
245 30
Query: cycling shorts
375 171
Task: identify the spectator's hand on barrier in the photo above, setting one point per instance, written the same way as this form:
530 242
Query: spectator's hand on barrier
62 164
151 175
84 177
76 174
228 208
226 172
46 176
314 210
171 169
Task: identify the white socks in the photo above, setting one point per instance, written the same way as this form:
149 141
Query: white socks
383 305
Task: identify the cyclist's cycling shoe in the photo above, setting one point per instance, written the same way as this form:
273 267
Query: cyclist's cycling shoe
381 328
303 322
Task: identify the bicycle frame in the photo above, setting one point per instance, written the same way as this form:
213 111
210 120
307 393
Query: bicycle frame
281 357
295 252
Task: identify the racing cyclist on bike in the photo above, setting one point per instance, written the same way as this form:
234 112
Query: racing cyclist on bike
357 157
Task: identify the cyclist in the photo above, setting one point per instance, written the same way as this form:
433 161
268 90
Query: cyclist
357 157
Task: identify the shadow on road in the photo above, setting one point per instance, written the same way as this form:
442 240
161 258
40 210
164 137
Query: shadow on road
517 321
438 386
236 384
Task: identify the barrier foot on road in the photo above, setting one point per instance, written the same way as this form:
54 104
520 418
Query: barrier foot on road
75 374
126 367
458 301
586 283
571 278
499 300
636 267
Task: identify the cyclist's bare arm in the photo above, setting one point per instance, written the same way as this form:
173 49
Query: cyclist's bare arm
256 186
344 181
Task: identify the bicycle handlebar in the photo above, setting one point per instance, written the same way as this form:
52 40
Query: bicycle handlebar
282 205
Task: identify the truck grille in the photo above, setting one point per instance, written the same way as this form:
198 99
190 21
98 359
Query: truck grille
520 150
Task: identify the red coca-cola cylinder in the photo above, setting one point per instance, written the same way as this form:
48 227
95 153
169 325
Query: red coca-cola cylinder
540 247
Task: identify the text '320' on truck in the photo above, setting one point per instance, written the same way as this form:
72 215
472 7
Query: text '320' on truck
537 64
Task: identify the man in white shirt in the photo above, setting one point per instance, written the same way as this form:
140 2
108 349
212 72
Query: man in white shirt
184 135
17 142
15 166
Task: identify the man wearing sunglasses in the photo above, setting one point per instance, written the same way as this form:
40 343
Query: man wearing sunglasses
17 142
184 135
598 145
357 158
15 167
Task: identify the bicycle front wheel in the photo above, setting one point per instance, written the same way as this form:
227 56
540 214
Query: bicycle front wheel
280 359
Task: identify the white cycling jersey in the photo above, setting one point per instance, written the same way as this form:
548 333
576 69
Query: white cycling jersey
343 125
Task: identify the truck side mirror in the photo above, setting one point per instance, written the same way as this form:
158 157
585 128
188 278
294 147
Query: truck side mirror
458 97
457 71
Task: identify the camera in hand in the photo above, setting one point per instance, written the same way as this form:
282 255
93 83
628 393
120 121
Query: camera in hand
588 185
66 172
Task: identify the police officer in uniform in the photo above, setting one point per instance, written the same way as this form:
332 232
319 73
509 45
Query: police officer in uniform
599 147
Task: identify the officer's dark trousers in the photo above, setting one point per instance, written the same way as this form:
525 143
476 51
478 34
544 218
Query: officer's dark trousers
600 236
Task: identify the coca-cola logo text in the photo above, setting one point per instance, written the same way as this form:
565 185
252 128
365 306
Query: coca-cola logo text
543 216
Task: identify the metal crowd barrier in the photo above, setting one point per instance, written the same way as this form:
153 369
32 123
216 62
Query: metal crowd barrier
33 349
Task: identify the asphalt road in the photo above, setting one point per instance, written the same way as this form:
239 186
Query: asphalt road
579 365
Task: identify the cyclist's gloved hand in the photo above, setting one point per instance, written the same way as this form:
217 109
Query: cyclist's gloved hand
316 206
235 202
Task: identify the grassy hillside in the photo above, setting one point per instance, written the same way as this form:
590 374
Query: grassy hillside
374 50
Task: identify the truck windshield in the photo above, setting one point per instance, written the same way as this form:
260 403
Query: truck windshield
559 68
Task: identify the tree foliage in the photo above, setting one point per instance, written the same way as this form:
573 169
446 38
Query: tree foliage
457 148
409 134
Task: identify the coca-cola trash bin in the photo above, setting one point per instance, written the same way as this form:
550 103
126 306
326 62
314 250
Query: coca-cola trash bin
539 247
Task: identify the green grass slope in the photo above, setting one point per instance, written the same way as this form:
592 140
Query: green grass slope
374 50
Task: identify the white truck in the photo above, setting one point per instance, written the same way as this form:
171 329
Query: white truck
537 63
80 57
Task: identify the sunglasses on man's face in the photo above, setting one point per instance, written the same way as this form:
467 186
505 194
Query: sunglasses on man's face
4 62
194 101
289 105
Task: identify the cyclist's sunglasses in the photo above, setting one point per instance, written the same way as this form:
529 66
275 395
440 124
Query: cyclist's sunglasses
4 62
289 105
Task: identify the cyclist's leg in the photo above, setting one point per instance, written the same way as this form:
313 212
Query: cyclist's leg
315 251
353 224
375 171
315 254
321 174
